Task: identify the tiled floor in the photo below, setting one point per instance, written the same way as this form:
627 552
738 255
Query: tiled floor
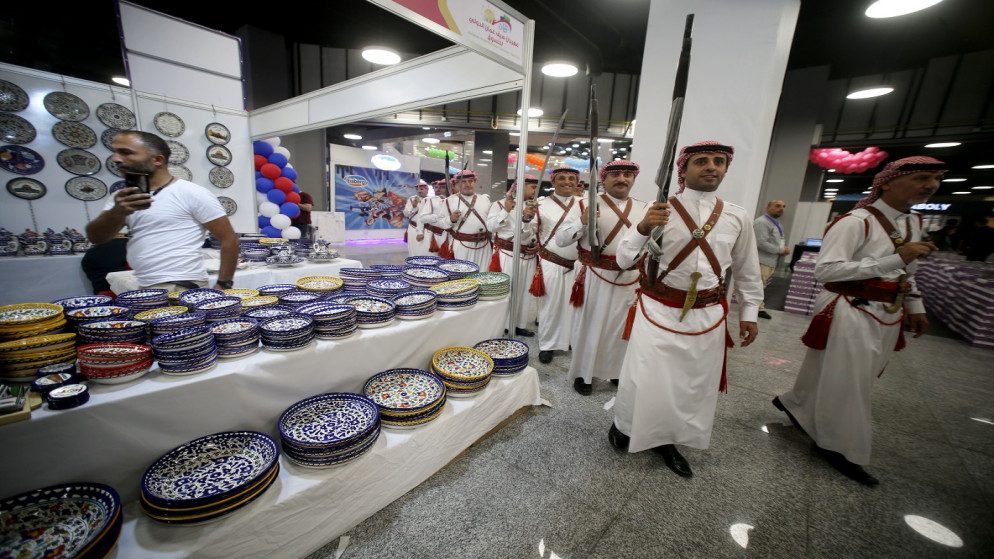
549 484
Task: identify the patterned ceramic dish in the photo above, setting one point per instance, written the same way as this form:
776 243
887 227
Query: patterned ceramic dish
97 313
66 106
161 312
36 344
27 313
509 356
423 260
114 351
336 418
165 324
68 396
458 268
192 297
241 293
463 363
455 287
268 311
406 391
50 381
220 304
71 520
259 301
234 327
276 289
203 515
325 284
183 335
299 297
115 326
286 326
113 115
143 295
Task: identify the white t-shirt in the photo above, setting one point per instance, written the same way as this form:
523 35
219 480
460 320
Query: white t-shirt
166 238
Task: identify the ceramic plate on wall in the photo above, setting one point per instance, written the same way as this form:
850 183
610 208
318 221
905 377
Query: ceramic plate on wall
86 189
219 155
74 134
26 189
107 137
113 168
222 177
21 160
78 162
16 130
66 106
181 172
229 205
169 124
178 154
217 133
12 97
116 116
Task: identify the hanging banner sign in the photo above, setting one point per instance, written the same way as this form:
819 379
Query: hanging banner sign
486 27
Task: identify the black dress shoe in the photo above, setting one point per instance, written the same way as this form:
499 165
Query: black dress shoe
618 439
545 356
674 460
852 471
615 381
764 314
779 405
524 332
582 388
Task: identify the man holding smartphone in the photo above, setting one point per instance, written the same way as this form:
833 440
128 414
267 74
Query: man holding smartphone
167 219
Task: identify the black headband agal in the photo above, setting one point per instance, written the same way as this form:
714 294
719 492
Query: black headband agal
923 167
618 166
710 147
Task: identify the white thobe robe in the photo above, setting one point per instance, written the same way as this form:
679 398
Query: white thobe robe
598 349
428 215
669 381
470 223
411 212
502 223
555 314
831 395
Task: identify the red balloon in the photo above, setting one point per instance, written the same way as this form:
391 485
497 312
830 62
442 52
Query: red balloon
260 161
270 171
293 197
284 184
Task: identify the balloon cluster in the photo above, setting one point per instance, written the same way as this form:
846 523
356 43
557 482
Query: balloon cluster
844 162
435 152
276 192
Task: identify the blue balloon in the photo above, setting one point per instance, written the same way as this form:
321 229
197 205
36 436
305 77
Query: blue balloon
276 196
271 231
278 159
264 185
290 210
290 173
262 148
296 188
258 174
263 222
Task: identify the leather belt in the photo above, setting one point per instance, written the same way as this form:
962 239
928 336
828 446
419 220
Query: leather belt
605 262
413 223
870 289
676 297
435 229
547 254
470 237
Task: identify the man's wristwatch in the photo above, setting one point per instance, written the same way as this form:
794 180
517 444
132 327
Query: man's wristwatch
227 284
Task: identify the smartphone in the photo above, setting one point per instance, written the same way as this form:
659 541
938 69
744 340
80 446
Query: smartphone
139 180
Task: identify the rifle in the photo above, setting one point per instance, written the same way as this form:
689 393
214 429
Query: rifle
595 248
665 174
448 181
463 217
555 138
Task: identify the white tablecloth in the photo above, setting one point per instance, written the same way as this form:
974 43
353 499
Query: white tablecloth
251 277
40 279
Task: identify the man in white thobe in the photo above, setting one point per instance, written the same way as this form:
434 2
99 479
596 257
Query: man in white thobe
415 246
603 291
465 213
554 269
501 221
428 218
867 263
675 363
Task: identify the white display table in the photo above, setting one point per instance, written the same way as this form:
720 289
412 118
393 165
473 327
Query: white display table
40 279
252 276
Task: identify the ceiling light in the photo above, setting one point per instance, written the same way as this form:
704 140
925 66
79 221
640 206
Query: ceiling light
381 55
962 192
868 93
487 152
533 112
369 147
430 140
831 170
352 136
121 81
983 166
943 145
575 145
982 187
835 180
559 69
953 180
385 162
894 8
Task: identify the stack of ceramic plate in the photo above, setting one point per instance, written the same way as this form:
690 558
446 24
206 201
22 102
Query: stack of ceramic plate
90 314
69 520
301 247
415 304
113 331
49 382
329 429
373 312
192 298
406 397
464 370
295 299
241 293
253 252
458 269
343 297
68 396
325 285
424 276
83 301
277 289
143 299
221 308
510 357
423 260
171 323
258 302
185 351
457 294
356 278
150 315
331 321
20 359
284 260
287 333
388 270
27 320
387 288
268 311
209 477
114 363
493 285
236 337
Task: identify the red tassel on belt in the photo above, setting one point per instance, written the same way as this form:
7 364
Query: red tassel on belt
576 296
445 251
816 336
433 247
537 288
495 260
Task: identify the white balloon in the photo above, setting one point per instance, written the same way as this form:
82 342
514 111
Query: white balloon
274 141
260 198
279 221
288 166
268 209
291 233
282 150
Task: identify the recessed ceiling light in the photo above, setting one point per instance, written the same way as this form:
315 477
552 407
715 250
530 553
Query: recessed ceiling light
982 187
430 140
835 180
983 166
487 152
381 55
482 165
943 145
352 136
121 81
894 8
369 147
962 192
953 180
559 69
533 112
868 93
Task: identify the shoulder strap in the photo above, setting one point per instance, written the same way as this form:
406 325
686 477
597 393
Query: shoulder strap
622 218
697 237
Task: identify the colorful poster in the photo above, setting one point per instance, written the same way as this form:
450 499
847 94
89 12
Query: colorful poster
373 198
